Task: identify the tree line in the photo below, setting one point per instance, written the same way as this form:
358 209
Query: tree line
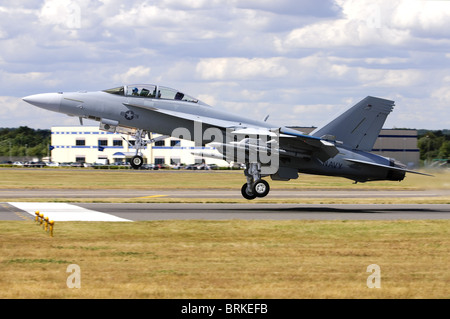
434 144
24 141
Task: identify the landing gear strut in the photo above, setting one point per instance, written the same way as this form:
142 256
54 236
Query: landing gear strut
255 186
137 160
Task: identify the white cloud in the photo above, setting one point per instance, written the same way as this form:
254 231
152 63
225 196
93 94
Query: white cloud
442 95
389 78
66 13
137 74
12 80
422 17
15 112
323 8
190 4
292 59
240 68
368 23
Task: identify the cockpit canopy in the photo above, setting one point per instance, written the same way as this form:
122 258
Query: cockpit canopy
153 92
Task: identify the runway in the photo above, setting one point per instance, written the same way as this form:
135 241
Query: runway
211 193
160 211
14 205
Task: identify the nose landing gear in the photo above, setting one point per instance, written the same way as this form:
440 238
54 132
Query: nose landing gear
137 160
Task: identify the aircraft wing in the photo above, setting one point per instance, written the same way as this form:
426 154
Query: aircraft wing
188 116
291 142
395 168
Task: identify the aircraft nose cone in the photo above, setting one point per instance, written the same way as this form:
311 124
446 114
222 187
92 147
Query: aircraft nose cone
48 101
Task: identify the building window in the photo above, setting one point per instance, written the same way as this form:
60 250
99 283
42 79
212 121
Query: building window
160 160
80 159
175 143
102 142
160 143
175 160
80 142
118 143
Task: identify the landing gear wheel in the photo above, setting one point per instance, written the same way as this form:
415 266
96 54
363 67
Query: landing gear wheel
137 161
261 188
246 194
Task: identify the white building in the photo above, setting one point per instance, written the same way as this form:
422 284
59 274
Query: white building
88 144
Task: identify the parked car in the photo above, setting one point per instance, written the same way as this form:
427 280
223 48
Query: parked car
149 166
34 164
52 164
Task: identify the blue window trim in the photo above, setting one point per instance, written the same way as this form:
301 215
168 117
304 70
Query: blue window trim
397 136
395 150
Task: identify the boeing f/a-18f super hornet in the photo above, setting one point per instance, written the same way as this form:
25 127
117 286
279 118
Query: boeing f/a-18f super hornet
340 148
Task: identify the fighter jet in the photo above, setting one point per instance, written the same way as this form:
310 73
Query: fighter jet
340 148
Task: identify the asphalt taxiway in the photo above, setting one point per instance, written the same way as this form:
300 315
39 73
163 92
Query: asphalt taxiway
211 193
13 208
171 211
162 211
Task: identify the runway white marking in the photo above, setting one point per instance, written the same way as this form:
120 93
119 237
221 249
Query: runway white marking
66 212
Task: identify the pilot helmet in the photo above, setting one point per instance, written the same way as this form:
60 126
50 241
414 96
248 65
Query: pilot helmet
135 90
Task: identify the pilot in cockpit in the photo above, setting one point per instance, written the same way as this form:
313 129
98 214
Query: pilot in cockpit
153 94
135 91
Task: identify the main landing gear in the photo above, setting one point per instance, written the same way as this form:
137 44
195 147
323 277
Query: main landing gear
255 186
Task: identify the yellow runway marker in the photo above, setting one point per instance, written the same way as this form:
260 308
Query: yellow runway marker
152 196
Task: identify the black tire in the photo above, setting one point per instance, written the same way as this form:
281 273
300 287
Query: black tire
136 162
261 188
245 194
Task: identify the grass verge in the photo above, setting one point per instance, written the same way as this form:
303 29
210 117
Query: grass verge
226 259
99 179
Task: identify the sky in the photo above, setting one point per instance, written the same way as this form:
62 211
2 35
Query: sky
300 62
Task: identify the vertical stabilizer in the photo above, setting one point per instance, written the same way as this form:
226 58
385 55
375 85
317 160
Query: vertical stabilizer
359 126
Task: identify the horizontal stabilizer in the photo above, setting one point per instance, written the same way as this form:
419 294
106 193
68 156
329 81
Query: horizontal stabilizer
395 168
326 149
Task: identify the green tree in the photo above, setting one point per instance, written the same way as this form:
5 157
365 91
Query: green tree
24 141
434 144
444 150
